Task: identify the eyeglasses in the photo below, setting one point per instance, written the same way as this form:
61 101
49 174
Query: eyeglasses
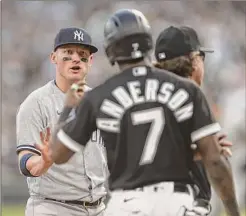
202 54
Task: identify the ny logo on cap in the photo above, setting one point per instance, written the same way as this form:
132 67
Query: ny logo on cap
78 35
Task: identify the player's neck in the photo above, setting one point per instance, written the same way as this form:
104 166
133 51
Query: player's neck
62 84
145 62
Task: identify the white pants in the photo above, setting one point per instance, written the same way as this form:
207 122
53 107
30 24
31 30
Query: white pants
152 200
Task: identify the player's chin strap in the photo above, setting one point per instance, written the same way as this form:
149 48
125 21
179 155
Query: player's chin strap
200 208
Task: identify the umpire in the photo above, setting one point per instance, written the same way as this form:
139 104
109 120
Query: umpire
179 51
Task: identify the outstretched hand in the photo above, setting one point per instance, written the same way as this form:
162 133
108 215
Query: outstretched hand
44 147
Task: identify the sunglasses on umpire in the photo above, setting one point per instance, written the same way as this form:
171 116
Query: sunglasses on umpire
202 54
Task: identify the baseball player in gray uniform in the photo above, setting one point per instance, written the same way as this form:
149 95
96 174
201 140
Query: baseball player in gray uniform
78 187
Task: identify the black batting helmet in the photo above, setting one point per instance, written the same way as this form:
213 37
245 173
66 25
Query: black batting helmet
127 36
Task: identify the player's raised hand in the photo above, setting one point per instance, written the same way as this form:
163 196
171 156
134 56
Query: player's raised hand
75 93
225 144
44 147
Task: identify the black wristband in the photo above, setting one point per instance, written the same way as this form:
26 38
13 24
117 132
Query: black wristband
23 162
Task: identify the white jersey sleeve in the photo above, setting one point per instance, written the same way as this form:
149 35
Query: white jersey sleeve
29 124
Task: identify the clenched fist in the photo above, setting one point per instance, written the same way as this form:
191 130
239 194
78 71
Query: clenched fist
75 94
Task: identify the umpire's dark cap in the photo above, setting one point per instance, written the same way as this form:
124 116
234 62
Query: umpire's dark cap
74 36
174 42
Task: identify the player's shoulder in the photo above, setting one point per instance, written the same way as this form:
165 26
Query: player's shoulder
177 80
94 93
37 95
97 94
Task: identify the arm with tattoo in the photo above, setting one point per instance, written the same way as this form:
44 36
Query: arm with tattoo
219 172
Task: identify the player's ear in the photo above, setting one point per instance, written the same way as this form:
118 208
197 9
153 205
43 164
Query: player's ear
90 60
53 57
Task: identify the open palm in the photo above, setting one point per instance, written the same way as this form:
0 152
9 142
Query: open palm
44 148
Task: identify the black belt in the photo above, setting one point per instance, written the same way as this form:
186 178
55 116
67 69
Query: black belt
178 187
77 202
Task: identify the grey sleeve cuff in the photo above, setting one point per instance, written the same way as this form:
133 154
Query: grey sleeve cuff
28 148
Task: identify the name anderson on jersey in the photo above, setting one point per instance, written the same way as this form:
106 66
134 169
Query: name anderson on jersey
154 92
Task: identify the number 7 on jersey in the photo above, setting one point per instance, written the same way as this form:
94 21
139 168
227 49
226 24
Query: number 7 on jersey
156 117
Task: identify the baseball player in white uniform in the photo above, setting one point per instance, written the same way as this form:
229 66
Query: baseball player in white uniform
78 187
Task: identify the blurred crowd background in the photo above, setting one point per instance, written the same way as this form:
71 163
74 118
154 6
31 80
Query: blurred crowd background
28 31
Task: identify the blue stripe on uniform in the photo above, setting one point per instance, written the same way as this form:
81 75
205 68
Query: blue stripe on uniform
27 147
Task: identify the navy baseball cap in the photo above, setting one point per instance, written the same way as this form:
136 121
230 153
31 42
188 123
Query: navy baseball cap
174 42
74 36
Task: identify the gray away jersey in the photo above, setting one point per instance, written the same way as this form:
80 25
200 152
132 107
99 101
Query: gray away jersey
84 176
